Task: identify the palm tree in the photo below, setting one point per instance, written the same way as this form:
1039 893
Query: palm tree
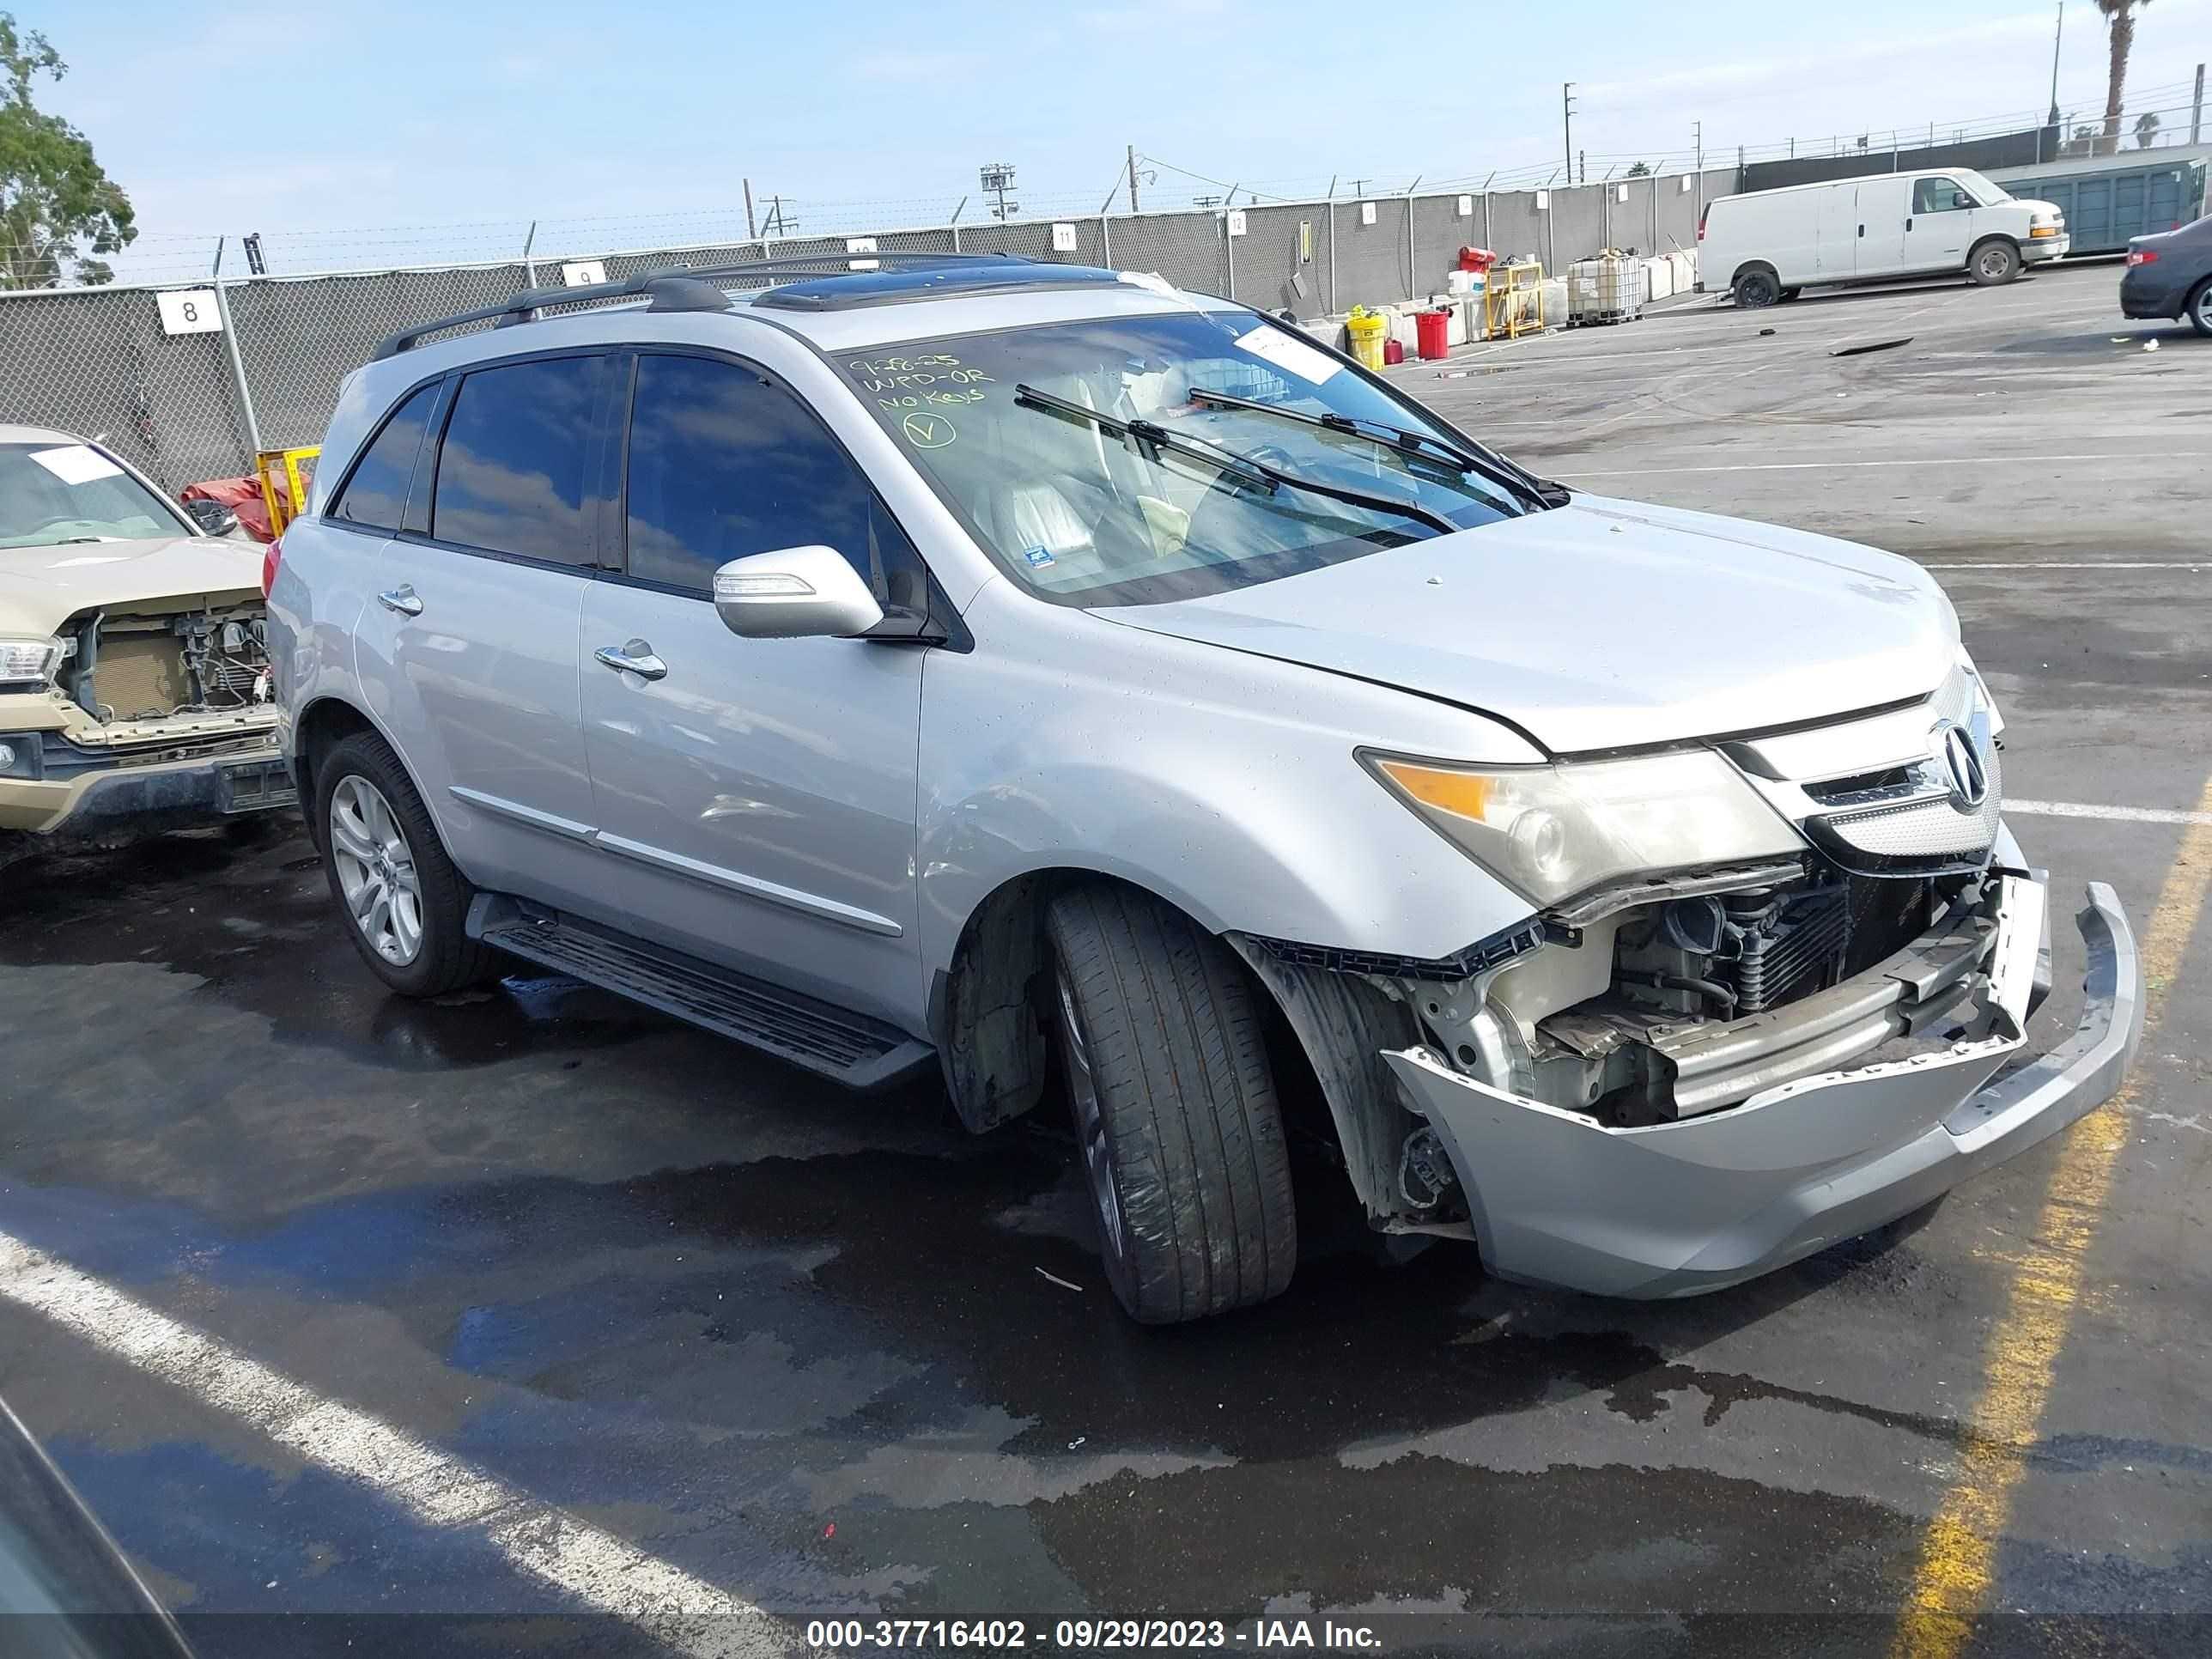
2120 23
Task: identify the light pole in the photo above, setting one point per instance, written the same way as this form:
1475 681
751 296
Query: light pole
2056 39
1567 118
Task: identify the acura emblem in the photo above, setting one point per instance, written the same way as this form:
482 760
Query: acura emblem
1962 762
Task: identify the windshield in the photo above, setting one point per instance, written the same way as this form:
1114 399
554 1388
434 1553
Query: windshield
57 492
1985 192
1082 513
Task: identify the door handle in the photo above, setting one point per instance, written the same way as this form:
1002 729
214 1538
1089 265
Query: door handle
1862 230
1908 224
636 658
402 599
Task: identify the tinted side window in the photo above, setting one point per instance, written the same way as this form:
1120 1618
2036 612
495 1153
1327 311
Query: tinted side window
376 494
513 476
723 464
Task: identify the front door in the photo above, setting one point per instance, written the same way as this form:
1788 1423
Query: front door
1939 225
757 796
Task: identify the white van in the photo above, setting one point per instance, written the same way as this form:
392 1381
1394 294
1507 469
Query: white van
1767 244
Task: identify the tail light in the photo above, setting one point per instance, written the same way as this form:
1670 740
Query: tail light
271 556
1701 221
2142 256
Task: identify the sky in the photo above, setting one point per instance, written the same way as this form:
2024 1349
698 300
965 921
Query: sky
366 136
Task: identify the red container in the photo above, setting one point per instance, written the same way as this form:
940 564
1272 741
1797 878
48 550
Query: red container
1432 333
1393 352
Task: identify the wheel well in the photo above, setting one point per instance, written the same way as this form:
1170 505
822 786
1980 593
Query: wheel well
1750 265
323 724
2012 242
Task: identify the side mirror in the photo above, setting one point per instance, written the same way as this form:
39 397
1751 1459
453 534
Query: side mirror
213 517
796 593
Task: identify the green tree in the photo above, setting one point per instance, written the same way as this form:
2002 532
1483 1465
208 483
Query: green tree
2147 129
2120 28
1641 170
59 211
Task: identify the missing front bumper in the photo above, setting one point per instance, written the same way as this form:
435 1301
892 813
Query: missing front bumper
1675 1209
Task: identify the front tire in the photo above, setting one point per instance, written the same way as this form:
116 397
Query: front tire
1993 264
403 901
1176 1112
2199 309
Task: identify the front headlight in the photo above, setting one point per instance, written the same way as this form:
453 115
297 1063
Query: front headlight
1985 703
28 664
1553 831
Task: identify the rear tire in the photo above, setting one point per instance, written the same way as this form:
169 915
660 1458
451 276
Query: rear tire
1176 1112
1993 264
1756 289
2199 309
403 903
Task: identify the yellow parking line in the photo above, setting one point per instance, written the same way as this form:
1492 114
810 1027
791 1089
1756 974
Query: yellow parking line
1957 1556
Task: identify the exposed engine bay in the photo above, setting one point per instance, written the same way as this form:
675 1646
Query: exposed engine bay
1669 1007
124 669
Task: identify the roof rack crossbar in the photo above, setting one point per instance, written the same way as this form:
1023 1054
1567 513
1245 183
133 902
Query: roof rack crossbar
523 306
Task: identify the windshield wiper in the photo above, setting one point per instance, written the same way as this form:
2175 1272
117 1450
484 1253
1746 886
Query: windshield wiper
1487 463
1243 468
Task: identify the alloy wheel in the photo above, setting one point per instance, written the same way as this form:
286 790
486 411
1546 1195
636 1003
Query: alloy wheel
376 870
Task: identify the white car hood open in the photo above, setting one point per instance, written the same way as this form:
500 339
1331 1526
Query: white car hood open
1605 624
42 587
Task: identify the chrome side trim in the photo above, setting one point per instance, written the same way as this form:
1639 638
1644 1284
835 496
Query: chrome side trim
736 881
516 813
659 857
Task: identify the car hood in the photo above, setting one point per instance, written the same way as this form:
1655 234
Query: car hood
1605 624
42 587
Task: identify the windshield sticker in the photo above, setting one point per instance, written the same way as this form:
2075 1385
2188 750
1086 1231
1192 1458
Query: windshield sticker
927 431
77 464
1038 558
1286 352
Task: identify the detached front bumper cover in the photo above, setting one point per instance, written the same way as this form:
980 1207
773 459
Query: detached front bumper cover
1676 1209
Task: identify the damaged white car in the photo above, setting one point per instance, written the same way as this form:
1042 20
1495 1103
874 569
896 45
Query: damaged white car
980 666
134 681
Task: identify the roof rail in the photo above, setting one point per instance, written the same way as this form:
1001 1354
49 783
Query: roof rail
673 287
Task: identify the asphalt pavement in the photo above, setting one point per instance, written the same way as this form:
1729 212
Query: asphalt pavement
691 1313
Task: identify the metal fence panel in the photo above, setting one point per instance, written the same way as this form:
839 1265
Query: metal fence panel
1371 260
1440 230
95 363
1578 221
1516 228
1279 266
1185 248
300 338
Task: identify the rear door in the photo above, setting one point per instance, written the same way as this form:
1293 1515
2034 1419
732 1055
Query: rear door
467 648
1939 225
758 795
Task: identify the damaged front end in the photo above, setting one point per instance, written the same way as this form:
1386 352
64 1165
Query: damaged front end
151 715
1680 1080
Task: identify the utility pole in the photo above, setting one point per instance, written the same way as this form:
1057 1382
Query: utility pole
998 179
1132 178
1697 130
2196 108
1567 120
2052 120
752 230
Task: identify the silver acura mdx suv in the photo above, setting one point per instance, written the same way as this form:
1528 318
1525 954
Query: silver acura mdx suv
1021 671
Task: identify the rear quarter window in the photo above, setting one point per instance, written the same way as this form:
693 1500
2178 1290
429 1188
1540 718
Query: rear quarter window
375 497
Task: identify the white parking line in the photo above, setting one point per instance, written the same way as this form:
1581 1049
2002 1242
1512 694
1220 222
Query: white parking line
2071 564
1927 461
2075 809
594 1566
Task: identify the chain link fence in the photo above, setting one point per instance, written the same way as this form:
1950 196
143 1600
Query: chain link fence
99 362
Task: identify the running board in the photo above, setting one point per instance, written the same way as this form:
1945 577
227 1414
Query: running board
857 1051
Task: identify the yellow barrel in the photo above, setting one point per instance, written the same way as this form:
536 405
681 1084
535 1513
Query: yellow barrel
1368 330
